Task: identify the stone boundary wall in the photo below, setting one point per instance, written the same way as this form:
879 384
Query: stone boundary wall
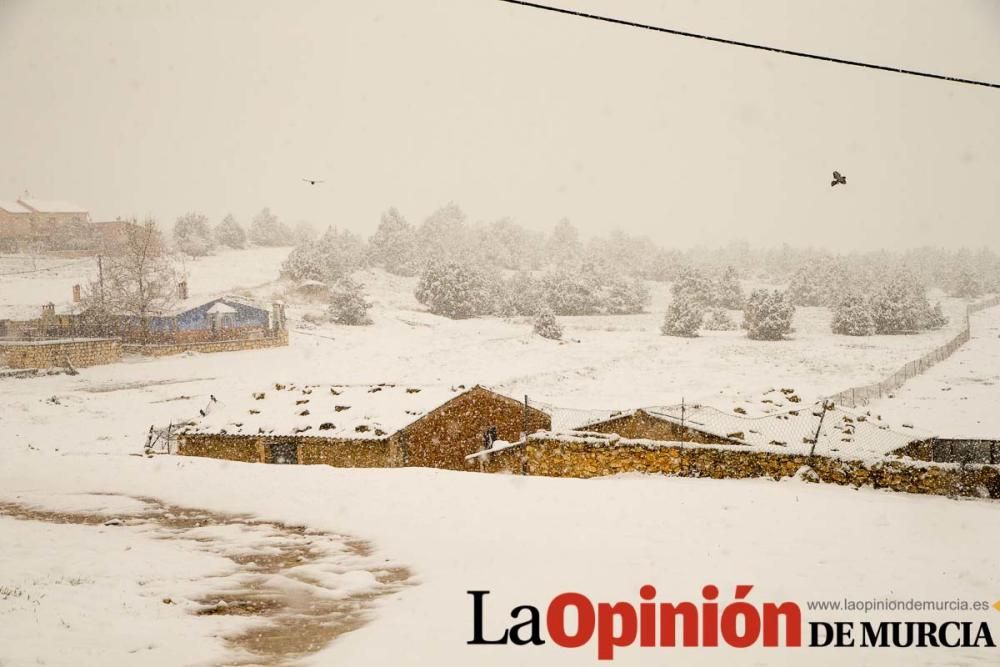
582 458
80 352
345 453
280 339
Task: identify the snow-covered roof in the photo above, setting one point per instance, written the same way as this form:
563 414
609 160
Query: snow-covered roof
195 302
44 206
359 412
843 432
221 308
12 207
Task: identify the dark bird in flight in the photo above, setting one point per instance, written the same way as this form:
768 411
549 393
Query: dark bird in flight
837 178
311 181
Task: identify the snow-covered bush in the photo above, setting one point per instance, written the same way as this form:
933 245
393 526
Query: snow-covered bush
967 285
571 290
192 235
695 286
394 245
546 325
936 318
335 255
900 305
718 319
229 233
767 315
684 315
819 283
456 290
348 303
521 294
592 289
852 316
727 292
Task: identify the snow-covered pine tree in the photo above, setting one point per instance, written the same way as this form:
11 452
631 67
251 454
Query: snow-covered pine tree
727 291
967 285
695 285
192 235
852 316
900 305
684 315
719 320
521 294
348 303
571 290
455 290
229 233
547 326
393 246
267 230
767 315
622 296
936 319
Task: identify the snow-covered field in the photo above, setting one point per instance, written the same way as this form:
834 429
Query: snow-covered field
524 539
961 396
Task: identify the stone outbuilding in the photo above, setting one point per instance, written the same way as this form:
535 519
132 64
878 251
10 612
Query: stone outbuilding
380 425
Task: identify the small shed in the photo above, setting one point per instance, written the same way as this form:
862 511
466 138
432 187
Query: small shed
804 430
381 425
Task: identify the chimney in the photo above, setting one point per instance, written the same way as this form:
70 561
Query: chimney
76 294
48 311
182 290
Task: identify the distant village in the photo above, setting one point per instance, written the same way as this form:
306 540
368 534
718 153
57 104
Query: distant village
92 331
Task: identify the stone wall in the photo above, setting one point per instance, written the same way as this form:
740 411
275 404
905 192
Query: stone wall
311 451
279 339
80 352
572 457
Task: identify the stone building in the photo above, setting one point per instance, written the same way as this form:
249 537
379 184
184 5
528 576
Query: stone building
35 224
360 425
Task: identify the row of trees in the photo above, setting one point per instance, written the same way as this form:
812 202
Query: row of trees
767 315
194 235
460 290
897 305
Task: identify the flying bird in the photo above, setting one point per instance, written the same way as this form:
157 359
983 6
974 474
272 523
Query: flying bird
311 181
837 178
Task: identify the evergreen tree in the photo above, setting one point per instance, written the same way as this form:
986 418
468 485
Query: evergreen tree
900 305
546 325
719 320
393 246
967 285
455 290
230 233
267 230
192 235
728 293
348 304
684 315
767 315
694 285
853 316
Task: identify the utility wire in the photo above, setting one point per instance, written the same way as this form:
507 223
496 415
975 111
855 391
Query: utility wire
749 45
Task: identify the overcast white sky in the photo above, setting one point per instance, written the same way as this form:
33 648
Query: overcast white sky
141 107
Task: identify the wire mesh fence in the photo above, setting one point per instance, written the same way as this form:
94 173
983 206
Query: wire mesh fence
861 395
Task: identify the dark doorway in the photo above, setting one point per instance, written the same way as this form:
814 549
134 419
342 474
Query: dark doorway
283 453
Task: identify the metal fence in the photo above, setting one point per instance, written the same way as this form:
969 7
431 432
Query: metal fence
861 395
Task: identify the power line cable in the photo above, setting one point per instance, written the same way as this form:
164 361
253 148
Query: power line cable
750 45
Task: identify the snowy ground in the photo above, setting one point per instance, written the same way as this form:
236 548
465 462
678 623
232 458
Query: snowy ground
960 397
525 539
